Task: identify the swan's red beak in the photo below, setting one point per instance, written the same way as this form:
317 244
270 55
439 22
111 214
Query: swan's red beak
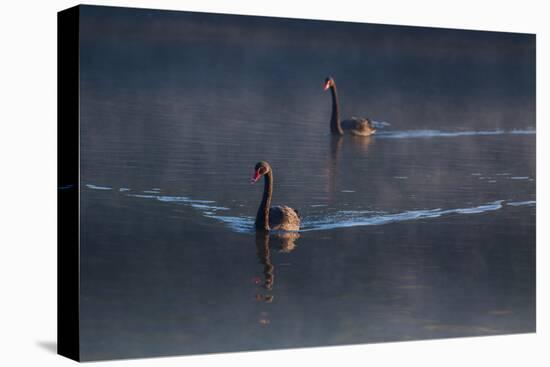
327 85
255 177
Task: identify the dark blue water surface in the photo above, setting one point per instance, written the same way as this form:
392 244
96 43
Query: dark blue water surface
425 230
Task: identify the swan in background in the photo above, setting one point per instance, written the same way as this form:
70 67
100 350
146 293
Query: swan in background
356 126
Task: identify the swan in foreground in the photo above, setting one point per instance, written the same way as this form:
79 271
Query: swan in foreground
272 217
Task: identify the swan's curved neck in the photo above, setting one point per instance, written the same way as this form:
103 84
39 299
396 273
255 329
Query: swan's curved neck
335 127
262 218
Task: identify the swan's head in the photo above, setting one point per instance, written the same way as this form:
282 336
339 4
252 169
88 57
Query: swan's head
261 168
329 82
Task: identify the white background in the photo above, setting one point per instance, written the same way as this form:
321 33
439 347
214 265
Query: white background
28 182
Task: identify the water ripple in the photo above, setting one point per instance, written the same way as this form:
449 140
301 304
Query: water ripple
197 204
96 187
351 218
324 221
357 218
522 203
404 134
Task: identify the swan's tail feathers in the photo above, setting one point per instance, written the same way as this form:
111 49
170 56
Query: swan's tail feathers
372 123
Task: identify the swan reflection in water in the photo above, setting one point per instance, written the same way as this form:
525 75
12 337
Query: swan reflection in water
286 241
359 144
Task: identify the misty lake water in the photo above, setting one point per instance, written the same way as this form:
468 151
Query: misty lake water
425 230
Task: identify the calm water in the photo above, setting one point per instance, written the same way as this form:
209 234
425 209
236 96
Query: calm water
426 230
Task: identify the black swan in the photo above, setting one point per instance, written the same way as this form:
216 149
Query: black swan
357 126
275 217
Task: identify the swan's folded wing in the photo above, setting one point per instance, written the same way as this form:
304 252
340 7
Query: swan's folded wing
283 218
359 126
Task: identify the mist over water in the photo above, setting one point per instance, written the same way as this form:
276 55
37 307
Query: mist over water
425 230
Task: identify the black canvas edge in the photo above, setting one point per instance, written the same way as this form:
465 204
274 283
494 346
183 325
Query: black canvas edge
68 189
